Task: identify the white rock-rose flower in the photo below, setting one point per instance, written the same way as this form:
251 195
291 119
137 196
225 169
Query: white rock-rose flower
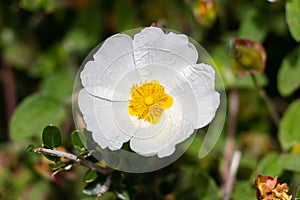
147 90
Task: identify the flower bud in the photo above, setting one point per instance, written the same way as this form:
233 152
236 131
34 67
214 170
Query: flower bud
205 12
247 56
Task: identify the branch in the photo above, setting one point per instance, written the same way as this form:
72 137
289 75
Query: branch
231 131
232 173
274 115
73 158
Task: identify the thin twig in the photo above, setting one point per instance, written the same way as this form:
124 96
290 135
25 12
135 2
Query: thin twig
104 188
72 157
9 88
231 131
264 96
232 174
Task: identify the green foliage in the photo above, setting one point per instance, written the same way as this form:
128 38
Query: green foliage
202 187
291 162
289 126
270 165
252 28
292 8
298 193
34 5
243 191
51 137
90 176
76 140
59 84
288 75
32 114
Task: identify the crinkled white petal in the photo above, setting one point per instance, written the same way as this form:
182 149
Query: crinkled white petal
201 78
173 131
99 118
163 137
185 130
111 62
153 46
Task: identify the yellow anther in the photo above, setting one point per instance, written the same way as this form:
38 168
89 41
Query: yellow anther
148 101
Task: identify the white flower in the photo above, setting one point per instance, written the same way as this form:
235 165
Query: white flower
148 90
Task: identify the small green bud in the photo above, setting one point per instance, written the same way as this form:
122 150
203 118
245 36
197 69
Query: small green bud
247 56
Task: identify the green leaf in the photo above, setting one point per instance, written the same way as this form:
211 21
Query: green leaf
51 136
298 193
33 114
288 75
76 140
291 162
52 158
289 126
251 28
270 165
90 176
202 187
292 8
56 166
31 147
243 190
59 84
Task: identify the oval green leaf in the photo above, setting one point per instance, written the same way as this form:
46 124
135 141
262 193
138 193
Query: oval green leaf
270 165
90 176
51 137
76 140
288 75
292 8
289 126
291 162
33 114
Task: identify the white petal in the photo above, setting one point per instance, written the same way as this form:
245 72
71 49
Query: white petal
201 77
153 46
184 132
89 115
100 120
174 130
111 63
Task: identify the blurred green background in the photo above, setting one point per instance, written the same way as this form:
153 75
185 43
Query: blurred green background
43 43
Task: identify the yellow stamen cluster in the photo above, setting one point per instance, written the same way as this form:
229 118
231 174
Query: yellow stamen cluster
148 101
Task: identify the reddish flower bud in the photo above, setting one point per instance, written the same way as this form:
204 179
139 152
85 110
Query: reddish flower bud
205 12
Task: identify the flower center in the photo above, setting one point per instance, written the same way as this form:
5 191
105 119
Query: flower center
148 101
